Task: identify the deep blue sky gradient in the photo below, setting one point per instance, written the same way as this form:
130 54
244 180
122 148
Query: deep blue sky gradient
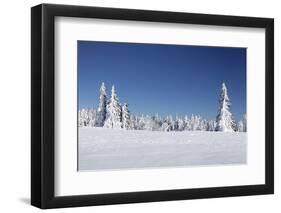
164 79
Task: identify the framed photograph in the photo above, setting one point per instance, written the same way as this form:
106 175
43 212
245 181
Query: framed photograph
139 106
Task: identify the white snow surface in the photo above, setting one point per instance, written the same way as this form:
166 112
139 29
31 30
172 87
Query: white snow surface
114 149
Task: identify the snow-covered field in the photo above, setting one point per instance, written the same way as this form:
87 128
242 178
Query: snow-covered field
102 148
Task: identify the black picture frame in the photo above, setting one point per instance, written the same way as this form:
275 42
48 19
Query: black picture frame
43 101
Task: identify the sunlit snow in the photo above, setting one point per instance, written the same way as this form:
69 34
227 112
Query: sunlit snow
110 149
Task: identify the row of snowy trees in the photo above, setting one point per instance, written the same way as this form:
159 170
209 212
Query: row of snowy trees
112 114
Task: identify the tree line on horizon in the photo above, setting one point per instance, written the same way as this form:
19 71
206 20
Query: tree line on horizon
112 114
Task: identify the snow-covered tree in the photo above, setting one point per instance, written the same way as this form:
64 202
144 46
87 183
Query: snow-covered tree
187 123
235 125
114 112
175 124
181 124
166 125
92 115
244 123
83 119
114 115
224 120
147 123
126 119
140 122
195 122
240 126
171 122
87 117
157 122
211 125
150 123
133 122
203 125
101 111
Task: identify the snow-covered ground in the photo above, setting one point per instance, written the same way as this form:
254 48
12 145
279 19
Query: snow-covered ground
102 148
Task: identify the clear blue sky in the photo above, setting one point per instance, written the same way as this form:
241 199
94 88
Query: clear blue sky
164 79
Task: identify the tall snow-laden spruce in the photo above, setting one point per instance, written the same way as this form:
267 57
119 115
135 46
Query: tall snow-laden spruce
126 118
114 112
101 111
224 120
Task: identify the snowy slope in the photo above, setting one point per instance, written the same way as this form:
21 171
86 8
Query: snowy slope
102 148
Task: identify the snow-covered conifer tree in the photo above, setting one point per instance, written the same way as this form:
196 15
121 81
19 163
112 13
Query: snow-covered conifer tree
224 120
171 122
235 126
151 123
166 125
181 124
157 122
92 115
83 117
140 121
126 121
101 111
187 123
87 117
133 122
175 124
114 112
211 125
203 125
148 123
244 123
195 122
240 126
